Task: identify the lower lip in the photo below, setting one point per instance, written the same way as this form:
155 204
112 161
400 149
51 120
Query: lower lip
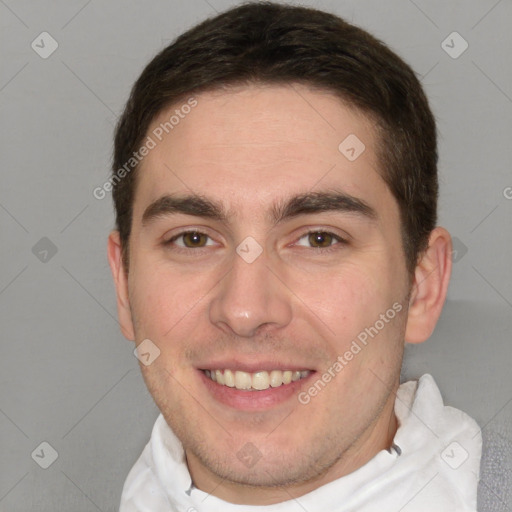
253 400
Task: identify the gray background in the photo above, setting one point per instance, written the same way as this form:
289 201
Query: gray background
67 376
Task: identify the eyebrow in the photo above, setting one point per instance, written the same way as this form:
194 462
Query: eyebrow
301 204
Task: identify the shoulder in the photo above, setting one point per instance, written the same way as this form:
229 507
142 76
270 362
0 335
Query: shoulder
495 485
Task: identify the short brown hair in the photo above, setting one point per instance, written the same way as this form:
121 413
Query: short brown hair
271 43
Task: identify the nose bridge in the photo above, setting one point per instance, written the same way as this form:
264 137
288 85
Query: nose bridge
250 295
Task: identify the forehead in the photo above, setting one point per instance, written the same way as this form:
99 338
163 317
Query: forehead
249 145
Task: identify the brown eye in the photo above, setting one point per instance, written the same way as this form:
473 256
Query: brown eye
320 239
321 242
194 239
189 240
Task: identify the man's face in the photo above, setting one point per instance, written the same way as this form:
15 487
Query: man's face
285 300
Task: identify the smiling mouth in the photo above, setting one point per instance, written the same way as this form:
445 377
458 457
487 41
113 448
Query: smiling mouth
257 381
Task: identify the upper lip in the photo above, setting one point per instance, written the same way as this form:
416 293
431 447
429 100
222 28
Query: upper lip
252 366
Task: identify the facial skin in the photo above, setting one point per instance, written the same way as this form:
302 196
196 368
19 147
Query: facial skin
297 305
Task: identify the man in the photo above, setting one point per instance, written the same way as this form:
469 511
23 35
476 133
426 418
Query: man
275 187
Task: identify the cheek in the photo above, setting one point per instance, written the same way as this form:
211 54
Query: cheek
348 297
161 299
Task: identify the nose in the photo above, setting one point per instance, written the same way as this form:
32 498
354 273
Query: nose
249 297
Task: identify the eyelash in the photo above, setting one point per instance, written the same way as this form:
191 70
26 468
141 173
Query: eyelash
331 248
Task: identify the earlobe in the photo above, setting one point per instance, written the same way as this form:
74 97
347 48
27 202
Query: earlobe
114 252
428 294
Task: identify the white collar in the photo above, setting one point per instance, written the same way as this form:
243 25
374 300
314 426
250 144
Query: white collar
433 466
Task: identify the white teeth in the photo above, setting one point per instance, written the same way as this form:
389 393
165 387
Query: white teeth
242 380
276 378
287 377
255 381
229 378
261 380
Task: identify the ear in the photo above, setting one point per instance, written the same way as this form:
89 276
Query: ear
121 282
428 293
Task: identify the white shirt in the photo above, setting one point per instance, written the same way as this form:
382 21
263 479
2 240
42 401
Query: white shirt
433 466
